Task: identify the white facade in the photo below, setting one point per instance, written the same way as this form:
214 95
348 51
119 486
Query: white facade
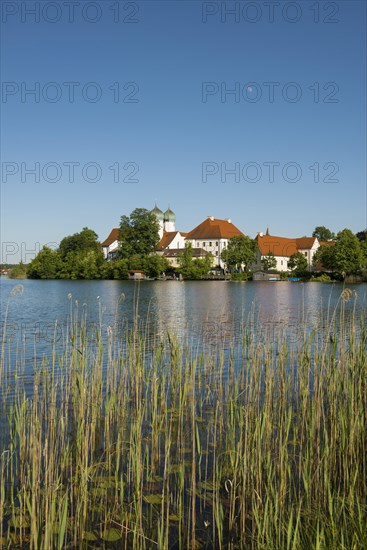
283 248
309 253
177 242
169 226
214 246
110 249
281 262
111 244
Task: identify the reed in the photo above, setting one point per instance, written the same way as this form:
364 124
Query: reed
122 443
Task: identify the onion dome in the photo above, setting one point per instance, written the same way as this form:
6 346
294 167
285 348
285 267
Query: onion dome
169 216
158 213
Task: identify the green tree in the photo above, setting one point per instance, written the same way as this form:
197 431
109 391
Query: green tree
269 261
118 269
345 256
155 265
79 256
191 268
186 259
89 265
323 233
298 264
18 272
87 239
138 233
241 251
323 258
82 256
46 265
362 237
347 252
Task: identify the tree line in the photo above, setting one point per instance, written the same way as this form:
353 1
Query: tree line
80 256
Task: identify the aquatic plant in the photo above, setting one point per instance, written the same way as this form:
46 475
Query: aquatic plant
118 441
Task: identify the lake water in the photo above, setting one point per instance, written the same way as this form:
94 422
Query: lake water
205 316
197 311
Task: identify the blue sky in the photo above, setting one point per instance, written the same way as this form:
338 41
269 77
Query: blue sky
150 97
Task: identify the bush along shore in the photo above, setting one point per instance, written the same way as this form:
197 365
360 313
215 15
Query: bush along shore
147 442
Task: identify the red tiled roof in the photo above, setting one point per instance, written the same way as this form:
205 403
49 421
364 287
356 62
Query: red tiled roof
282 246
212 228
327 243
112 237
167 238
305 243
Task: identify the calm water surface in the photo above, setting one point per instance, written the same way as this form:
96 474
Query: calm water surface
192 310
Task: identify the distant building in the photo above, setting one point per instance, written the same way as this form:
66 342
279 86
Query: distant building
171 240
111 244
167 220
167 234
283 248
212 235
173 255
136 274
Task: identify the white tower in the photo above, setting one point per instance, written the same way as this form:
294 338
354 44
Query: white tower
169 220
160 217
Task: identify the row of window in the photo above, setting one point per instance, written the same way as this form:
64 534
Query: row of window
210 243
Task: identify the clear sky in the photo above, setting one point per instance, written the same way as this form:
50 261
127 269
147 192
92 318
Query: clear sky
145 87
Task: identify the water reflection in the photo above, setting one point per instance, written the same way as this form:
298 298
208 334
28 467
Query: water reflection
200 313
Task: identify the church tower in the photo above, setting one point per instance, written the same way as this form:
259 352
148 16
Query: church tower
160 217
169 220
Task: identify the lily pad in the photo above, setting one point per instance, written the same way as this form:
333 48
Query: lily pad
153 499
112 535
90 535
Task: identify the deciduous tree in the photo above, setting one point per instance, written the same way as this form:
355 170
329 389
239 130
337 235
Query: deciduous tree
344 256
298 264
194 268
323 233
138 233
240 252
46 265
269 261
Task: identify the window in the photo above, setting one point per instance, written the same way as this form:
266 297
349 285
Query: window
210 243
305 253
203 244
216 244
281 262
